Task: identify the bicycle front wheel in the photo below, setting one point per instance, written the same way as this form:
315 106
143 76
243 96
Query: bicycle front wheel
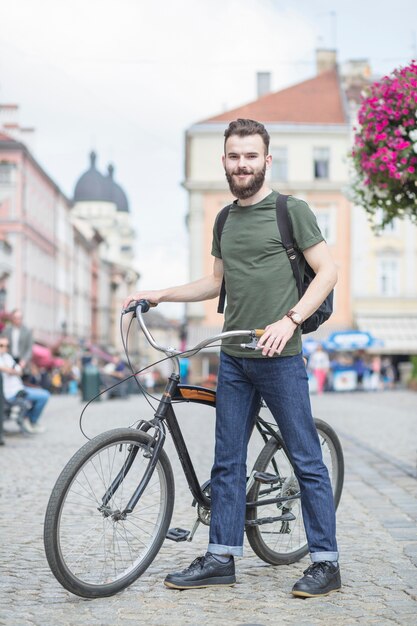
93 546
284 541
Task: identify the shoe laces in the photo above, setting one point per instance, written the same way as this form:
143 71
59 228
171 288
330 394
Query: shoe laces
315 570
198 562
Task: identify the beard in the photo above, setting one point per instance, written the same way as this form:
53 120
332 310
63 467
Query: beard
245 189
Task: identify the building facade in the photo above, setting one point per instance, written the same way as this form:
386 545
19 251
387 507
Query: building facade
310 137
384 262
310 125
101 204
32 212
384 285
68 271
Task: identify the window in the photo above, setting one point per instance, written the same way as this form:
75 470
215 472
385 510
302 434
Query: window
325 223
5 173
321 157
279 171
389 229
388 277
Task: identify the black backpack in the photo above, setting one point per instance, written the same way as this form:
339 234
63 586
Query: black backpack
285 228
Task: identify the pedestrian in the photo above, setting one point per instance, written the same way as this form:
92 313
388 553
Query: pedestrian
20 339
261 293
376 372
13 385
319 364
115 371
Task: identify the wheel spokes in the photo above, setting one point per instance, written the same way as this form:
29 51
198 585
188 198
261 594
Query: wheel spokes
97 546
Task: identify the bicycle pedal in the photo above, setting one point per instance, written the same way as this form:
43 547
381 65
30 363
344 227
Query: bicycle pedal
177 534
266 478
286 517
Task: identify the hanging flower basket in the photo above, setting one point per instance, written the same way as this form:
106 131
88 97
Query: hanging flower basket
385 148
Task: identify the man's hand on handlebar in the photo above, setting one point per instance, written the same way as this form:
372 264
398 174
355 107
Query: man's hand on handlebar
153 297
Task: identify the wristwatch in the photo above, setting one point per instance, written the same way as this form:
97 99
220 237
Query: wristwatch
295 317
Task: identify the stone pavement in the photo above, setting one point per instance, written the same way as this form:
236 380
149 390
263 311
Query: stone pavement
377 526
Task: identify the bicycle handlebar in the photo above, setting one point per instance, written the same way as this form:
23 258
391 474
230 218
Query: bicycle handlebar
138 308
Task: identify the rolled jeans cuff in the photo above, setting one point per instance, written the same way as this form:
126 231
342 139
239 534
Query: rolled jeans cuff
316 557
215 548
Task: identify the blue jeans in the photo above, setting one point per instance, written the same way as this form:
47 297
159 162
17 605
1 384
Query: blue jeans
282 383
38 397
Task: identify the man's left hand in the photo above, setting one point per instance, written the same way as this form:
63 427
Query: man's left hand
276 336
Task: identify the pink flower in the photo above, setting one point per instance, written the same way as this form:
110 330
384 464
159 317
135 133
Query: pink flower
383 155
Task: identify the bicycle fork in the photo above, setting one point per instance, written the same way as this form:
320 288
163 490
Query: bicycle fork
151 452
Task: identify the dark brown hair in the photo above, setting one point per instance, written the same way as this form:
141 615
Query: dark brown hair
245 127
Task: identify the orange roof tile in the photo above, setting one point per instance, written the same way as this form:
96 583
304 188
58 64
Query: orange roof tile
314 101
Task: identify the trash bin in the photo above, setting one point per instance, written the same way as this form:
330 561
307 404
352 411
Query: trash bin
90 382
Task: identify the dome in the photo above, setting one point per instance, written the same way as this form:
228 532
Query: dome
115 193
91 186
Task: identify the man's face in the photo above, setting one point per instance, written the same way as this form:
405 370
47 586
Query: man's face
245 164
17 318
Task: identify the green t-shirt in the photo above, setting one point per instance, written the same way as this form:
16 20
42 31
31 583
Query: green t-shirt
260 284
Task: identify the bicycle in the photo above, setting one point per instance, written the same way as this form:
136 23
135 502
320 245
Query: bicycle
110 509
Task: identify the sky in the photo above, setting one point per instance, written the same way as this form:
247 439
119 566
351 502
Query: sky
127 79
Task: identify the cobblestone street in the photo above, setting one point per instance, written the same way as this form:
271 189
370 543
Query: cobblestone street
377 525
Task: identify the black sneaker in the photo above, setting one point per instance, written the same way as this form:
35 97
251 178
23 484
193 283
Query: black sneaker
204 571
319 579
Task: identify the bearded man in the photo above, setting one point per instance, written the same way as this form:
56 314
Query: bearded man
261 293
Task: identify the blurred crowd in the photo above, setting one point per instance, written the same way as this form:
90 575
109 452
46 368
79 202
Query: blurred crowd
28 380
350 371
63 379
30 374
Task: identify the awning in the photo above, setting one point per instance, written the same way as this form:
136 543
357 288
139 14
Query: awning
101 354
351 340
397 334
43 357
309 345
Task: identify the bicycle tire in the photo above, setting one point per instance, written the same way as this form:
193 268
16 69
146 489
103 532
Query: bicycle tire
91 553
282 543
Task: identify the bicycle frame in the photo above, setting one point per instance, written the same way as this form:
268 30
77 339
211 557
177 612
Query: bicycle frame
177 392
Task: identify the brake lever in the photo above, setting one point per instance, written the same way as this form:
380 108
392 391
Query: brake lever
252 345
130 309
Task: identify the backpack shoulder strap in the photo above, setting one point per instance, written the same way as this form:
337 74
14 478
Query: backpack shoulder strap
287 238
221 220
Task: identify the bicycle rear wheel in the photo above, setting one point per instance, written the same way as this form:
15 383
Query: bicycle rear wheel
93 548
284 542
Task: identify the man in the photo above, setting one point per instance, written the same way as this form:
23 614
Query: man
20 338
261 293
319 364
12 386
115 371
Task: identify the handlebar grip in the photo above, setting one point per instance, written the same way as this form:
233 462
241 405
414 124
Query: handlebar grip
145 305
259 332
